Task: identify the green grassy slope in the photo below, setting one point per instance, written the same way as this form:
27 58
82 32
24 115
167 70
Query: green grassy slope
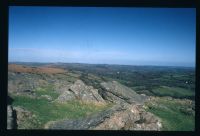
49 110
173 113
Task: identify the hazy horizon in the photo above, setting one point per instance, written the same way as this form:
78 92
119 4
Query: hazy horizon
123 36
16 62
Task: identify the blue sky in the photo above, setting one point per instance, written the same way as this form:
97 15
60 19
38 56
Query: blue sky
133 36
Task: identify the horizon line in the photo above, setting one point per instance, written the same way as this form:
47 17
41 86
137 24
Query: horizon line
105 64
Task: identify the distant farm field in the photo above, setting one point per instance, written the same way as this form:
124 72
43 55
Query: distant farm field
173 91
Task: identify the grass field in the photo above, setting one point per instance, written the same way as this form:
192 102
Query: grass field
173 92
48 90
173 114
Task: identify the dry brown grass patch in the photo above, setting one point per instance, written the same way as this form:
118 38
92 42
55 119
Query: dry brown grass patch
39 70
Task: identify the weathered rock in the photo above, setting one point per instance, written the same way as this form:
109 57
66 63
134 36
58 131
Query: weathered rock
113 98
10 117
23 82
66 96
120 117
25 119
61 86
134 118
80 91
121 92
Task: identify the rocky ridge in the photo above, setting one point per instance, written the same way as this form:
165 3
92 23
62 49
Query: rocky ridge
119 117
126 114
116 92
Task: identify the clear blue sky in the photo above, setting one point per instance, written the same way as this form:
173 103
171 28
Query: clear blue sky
133 36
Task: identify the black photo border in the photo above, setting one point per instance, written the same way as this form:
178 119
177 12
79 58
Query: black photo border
4 13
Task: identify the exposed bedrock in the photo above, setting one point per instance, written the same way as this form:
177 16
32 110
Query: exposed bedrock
126 114
10 117
80 91
116 92
119 117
